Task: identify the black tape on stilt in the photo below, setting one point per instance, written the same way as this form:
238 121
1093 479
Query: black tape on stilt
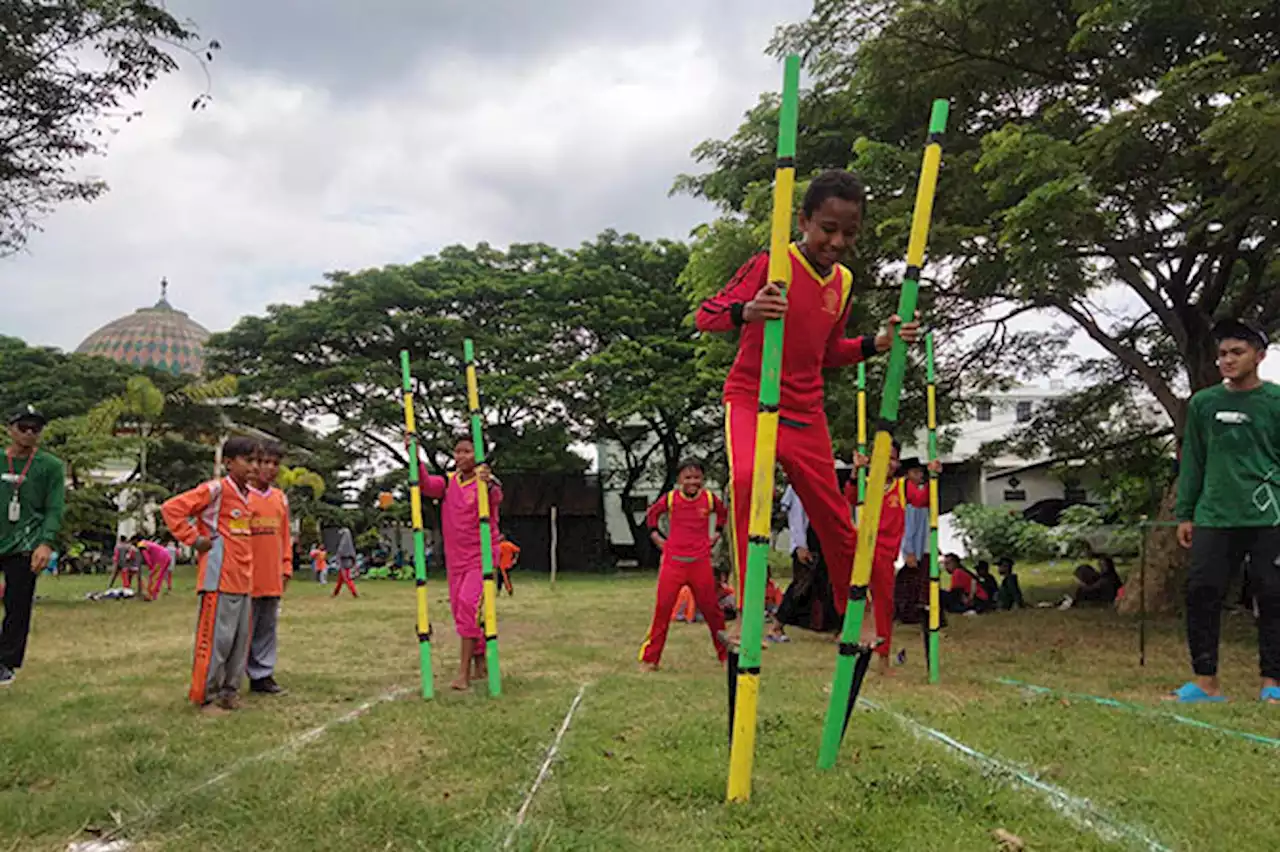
732 668
924 633
859 675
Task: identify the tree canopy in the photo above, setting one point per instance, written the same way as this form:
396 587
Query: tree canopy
572 345
67 69
1113 166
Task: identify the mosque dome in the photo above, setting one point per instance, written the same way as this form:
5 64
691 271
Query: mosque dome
159 336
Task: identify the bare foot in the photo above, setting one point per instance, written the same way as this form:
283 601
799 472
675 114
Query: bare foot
460 684
230 701
212 710
648 667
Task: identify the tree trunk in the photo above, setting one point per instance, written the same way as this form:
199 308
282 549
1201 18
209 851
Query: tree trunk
1161 573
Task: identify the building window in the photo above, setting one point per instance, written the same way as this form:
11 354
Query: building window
984 411
1024 412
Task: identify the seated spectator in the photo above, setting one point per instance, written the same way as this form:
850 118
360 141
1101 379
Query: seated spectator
1095 587
959 598
984 596
1010 595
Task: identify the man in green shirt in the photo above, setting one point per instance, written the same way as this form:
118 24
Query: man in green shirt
32 487
1228 507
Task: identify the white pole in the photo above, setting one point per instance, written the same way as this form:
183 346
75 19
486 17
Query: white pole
555 540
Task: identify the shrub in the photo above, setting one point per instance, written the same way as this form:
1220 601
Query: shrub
991 532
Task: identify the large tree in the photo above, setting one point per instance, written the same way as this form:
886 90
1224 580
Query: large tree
636 381
68 69
333 361
1113 166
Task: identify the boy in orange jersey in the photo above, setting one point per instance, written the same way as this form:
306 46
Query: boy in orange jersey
816 308
215 520
686 559
508 556
899 493
272 568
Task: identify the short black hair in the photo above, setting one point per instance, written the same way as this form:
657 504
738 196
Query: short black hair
271 450
240 447
685 464
463 438
1238 329
897 445
834 183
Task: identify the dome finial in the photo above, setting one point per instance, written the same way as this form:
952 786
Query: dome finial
164 294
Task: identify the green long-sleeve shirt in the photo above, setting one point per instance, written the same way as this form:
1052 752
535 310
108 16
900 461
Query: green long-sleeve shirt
1229 473
41 500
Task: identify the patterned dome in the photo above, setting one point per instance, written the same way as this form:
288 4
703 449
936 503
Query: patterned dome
159 336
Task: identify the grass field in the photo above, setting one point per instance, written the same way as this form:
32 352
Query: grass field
95 735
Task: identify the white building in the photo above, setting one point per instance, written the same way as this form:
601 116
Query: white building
1007 480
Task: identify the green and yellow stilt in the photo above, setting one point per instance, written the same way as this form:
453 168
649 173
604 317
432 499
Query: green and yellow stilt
742 749
935 588
486 530
851 653
419 538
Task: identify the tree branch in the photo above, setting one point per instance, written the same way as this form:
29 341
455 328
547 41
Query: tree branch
1131 358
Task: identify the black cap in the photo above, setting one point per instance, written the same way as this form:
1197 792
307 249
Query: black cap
26 414
913 462
1238 329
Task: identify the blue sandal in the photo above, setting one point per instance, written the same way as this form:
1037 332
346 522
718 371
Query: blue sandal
1191 693
1270 695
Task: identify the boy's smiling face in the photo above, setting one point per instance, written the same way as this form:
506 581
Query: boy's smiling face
831 232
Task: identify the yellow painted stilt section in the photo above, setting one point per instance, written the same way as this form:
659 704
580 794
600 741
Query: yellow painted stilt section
419 542
935 589
486 530
843 693
742 750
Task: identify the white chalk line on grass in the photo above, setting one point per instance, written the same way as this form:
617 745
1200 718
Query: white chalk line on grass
545 769
292 745
1080 811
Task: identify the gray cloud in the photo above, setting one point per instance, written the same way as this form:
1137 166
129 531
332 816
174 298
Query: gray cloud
345 140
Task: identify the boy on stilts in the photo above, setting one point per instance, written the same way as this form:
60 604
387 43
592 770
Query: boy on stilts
460 527
686 559
817 310
899 494
272 568
215 520
1228 506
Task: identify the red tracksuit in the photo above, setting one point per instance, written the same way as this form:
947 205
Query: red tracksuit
817 312
686 561
897 495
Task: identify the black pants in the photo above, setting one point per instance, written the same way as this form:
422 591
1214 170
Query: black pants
19 593
1214 555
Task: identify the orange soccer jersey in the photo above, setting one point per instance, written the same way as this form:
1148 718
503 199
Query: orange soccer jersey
218 510
272 542
507 553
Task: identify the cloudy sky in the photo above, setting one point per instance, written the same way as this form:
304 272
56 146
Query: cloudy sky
345 135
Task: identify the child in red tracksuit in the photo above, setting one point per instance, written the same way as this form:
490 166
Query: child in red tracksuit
686 559
816 308
898 494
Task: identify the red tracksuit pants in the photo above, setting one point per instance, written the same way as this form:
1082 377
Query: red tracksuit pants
882 576
804 451
344 578
701 579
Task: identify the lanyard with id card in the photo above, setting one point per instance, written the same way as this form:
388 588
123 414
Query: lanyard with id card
15 507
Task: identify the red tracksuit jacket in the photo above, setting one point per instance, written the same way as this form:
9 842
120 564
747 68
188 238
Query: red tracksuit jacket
813 338
893 516
689 535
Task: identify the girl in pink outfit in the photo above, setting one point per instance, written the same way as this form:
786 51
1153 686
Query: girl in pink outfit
159 565
460 527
